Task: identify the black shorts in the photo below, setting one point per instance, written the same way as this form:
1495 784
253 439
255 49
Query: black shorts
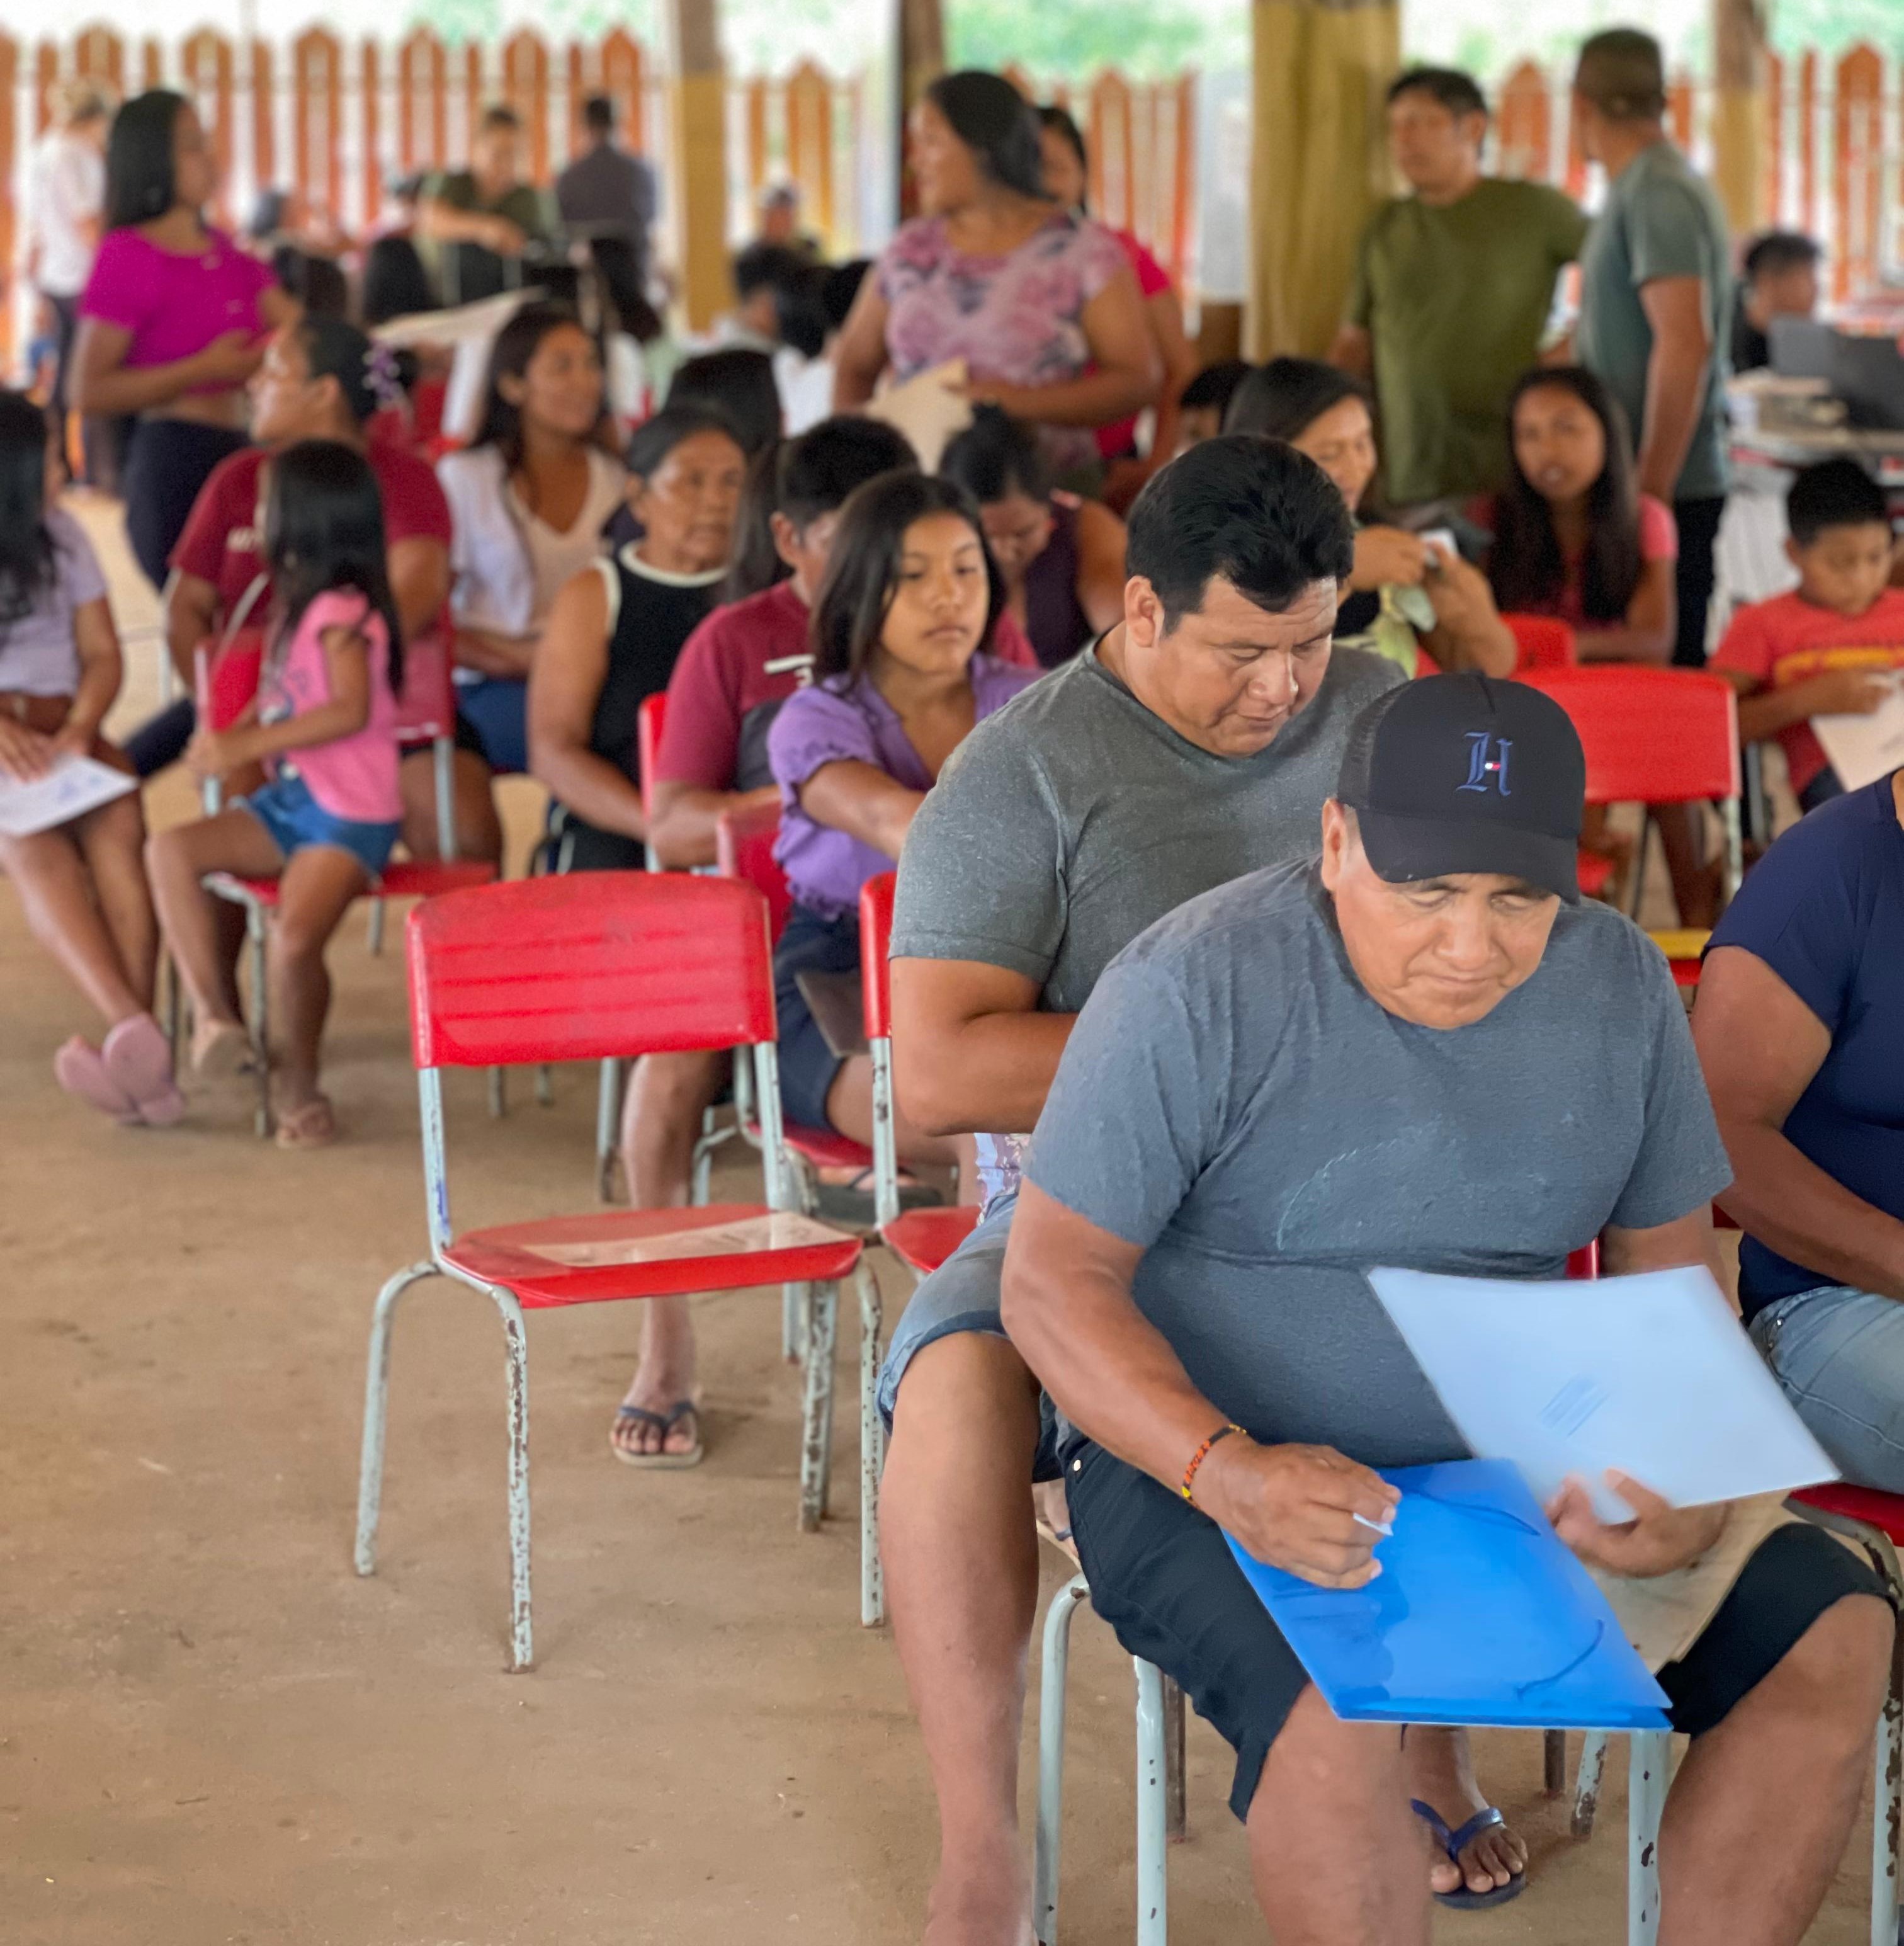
1161 1574
811 943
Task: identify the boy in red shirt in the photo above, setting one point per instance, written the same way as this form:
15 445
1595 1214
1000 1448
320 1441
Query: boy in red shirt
1826 648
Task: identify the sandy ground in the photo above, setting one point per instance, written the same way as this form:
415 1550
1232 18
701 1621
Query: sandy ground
212 1732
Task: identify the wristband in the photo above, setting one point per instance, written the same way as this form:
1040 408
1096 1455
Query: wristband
1202 1453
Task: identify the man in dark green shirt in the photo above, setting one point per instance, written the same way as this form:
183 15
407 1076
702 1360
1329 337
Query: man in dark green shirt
1453 288
477 218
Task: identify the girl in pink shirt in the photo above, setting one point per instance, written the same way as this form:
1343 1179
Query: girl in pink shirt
325 725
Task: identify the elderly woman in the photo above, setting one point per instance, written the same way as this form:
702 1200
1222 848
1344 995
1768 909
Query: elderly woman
1041 304
1799 1027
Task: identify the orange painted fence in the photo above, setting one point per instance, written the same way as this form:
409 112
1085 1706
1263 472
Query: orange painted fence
1833 161
336 119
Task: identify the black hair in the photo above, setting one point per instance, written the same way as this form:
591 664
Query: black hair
320 286
800 311
997 124
268 214
1779 250
1061 122
652 440
802 479
862 568
598 115
516 346
499 114
1834 493
395 282
1456 92
761 266
27 563
1248 510
334 348
141 184
1215 386
1622 72
841 288
1284 396
1525 568
995 457
738 383
324 530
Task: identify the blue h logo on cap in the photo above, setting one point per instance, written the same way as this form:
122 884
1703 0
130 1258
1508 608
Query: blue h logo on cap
1481 767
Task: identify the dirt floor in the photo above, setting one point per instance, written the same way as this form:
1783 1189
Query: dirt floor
213 1733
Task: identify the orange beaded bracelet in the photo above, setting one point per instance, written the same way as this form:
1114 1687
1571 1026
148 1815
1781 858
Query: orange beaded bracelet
1202 1452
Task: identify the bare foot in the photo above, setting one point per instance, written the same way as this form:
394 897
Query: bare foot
1440 1771
220 1050
662 1381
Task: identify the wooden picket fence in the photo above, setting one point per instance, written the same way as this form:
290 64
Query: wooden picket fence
1834 152
337 119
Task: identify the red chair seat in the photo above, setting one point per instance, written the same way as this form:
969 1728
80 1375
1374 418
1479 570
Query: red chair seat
923 1238
1596 873
821 1147
1885 1512
405 878
513 1255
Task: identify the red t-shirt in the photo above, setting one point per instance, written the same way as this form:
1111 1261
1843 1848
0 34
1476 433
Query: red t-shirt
1151 278
223 540
1788 640
733 674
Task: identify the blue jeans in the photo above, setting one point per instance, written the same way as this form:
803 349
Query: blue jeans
1839 1354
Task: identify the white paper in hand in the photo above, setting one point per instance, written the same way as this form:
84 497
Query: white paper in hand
1649 1375
1863 749
73 786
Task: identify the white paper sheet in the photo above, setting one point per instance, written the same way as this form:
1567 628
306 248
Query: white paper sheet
73 786
782 1230
1652 1375
1863 749
928 409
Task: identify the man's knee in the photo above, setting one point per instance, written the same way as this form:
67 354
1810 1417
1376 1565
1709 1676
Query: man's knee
1315 1755
1836 1674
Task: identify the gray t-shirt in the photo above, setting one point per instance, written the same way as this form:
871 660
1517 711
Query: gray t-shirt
1234 1102
1074 817
1661 220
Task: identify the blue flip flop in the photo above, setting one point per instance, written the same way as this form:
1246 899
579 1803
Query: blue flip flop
1454 1843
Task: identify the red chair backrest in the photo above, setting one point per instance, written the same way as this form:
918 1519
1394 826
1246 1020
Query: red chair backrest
647 741
235 672
876 948
580 968
426 705
1543 640
743 848
1652 736
1584 1262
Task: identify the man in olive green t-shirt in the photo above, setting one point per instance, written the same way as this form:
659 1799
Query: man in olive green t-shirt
475 218
1454 285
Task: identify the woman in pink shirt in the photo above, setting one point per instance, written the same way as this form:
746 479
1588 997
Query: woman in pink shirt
324 825
173 323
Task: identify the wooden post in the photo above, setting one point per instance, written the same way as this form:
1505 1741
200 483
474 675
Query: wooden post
1738 113
700 143
1318 160
921 61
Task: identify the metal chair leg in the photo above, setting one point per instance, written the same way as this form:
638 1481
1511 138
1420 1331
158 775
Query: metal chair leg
376 1400
498 1094
255 931
1888 1802
1058 1618
1153 1867
608 1127
522 1649
374 936
872 1453
816 1443
1586 1795
1647 1752
545 1085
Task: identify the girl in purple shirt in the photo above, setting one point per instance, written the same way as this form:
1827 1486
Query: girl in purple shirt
901 631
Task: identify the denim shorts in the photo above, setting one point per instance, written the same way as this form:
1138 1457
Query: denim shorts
295 819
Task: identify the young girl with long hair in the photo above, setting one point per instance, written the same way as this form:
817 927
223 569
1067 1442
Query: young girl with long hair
325 720
82 884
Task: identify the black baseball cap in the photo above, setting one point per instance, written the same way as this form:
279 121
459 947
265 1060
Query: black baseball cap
1467 773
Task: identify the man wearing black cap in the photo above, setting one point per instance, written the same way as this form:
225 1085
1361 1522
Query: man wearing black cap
1422 1049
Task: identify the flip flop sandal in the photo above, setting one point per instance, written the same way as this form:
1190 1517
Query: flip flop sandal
664 1423
79 1069
852 1202
312 1125
225 1056
1454 1842
139 1060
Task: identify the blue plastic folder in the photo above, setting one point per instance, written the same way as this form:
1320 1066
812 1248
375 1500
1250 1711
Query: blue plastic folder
1480 1615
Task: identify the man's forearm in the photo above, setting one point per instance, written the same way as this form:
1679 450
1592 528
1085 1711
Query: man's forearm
1792 1206
1675 386
990 1075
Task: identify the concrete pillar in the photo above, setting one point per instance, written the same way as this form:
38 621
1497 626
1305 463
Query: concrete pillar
1738 112
698 87
1318 160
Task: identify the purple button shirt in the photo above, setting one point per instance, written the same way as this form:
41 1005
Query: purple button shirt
827 723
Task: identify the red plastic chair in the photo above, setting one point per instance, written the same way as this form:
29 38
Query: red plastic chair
426 709
1544 642
579 968
1657 735
648 721
921 1239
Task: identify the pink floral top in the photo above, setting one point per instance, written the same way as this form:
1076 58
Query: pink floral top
1017 319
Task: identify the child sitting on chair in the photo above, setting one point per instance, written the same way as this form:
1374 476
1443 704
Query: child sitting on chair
324 825
1824 649
81 883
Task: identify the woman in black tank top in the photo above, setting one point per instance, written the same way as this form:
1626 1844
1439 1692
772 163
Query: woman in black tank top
1062 558
616 629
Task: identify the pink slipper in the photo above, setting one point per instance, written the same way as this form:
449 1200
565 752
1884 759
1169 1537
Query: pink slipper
138 1059
79 1069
